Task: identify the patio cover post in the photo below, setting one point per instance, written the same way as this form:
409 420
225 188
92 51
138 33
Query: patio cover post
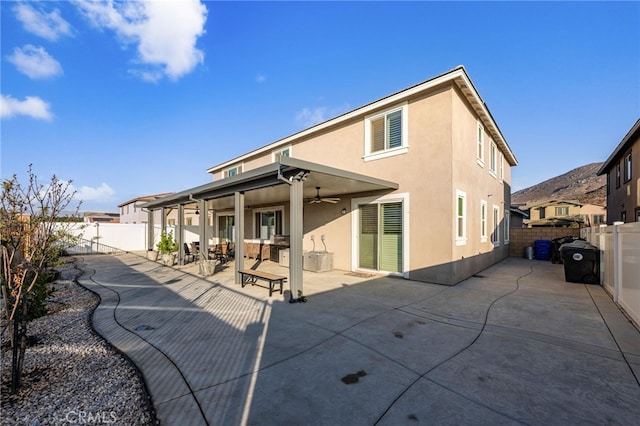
179 237
295 248
203 223
163 220
239 234
150 236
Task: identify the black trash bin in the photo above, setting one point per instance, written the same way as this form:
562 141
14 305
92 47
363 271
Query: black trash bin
581 262
556 243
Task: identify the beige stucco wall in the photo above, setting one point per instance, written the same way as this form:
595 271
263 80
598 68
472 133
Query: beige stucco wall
441 158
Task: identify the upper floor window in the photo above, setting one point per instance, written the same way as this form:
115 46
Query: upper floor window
281 152
494 159
618 175
385 133
480 144
542 212
627 167
562 211
233 171
501 164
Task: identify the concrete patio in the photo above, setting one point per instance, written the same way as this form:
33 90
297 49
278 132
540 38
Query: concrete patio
515 344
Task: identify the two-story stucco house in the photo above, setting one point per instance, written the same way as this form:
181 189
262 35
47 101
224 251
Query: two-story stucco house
623 182
420 184
564 213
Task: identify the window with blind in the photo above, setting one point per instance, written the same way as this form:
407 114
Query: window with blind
380 236
483 221
386 133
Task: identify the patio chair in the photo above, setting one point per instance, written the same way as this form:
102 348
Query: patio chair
220 253
194 249
187 254
231 250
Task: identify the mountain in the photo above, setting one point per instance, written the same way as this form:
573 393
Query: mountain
580 184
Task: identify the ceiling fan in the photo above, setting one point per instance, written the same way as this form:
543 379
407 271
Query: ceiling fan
318 199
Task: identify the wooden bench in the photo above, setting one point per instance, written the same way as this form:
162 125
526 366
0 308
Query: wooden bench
252 276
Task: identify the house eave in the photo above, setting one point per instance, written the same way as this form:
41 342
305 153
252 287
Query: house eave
631 135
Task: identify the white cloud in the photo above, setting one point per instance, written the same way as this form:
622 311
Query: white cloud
31 106
165 33
35 62
101 193
308 117
50 26
261 78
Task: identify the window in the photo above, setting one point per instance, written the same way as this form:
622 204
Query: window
279 153
598 219
627 167
171 222
480 144
225 227
542 212
495 236
623 216
189 221
562 211
507 217
386 133
501 163
268 223
233 171
461 218
617 175
483 221
493 159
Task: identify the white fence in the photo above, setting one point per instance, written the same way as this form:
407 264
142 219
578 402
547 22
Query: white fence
127 236
619 263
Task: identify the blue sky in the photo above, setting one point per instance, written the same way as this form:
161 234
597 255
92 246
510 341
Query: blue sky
135 98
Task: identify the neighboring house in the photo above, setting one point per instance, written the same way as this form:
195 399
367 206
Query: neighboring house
623 181
92 217
132 212
421 181
564 213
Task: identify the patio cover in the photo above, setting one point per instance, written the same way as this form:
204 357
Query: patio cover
288 180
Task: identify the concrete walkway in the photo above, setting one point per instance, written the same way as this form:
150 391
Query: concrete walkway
514 345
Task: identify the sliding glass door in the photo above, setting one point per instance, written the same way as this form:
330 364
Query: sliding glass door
380 236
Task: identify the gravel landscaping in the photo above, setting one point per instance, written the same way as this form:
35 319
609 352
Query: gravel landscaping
71 375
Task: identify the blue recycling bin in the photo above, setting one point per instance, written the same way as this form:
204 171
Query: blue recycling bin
542 249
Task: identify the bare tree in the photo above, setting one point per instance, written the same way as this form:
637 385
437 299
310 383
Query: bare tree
31 241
